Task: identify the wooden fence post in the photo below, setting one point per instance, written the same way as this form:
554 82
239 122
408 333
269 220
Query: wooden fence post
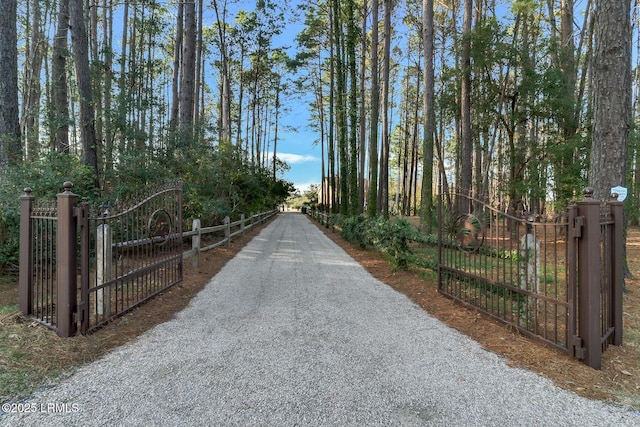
195 242
66 263
589 279
26 253
104 241
242 223
227 231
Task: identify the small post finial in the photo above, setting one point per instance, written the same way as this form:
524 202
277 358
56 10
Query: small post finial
67 186
588 192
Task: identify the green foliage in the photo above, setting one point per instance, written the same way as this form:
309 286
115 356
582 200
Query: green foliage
308 199
45 178
217 182
389 236
356 230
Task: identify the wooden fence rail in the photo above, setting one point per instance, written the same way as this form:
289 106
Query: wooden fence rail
231 229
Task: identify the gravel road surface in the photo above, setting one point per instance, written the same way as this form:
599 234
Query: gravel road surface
293 331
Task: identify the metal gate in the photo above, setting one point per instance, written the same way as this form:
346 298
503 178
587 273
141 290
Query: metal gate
557 280
85 265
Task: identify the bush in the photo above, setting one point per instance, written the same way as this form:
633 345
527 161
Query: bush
45 178
356 230
387 236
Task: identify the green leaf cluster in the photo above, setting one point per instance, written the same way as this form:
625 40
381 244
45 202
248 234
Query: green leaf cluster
45 177
389 236
217 182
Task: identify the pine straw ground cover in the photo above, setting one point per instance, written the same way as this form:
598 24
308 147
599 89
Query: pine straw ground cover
32 356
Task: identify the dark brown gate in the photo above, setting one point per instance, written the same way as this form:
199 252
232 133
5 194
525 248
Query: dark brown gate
557 280
129 254
87 265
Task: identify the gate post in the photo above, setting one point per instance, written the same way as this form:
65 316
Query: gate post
589 279
104 241
26 253
617 268
66 263
195 242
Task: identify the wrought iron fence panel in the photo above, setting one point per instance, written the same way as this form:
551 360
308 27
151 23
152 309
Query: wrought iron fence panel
133 253
511 267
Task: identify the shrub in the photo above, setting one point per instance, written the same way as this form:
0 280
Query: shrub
387 236
355 230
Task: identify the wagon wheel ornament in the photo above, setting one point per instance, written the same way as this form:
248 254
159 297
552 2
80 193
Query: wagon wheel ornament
468 232
160 227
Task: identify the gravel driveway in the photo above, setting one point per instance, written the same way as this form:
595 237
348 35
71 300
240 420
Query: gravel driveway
293 331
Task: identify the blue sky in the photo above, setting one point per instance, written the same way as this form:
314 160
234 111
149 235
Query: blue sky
297 148
295 138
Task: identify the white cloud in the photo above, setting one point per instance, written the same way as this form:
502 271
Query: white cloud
302 188
292 159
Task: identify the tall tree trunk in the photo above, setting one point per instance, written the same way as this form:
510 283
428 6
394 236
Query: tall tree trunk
123 88
353 109
81 58
611 96
363 119
187 82
429 117
225 76
10 147
331 151
372 199
33 88
275 132
107 6
466 178
59 87
199 66
383 193
177 60
341 108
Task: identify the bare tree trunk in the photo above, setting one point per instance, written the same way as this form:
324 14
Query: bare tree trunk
83 79
33 88
187 83
107 6
611 96
59 88
341 107
123 90
363 119
225 96
10 148
466 177
199 68
353 109
429 117
383 194
372 199
332 96
177 59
